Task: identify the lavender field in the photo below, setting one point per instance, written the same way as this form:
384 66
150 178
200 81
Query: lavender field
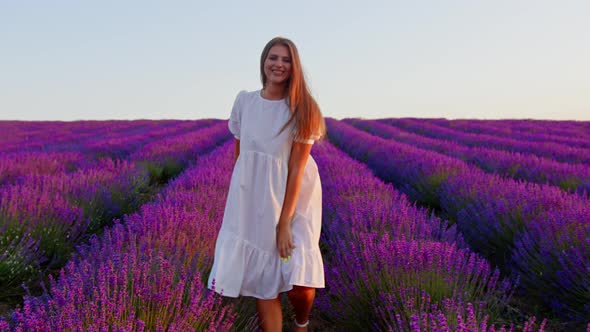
428 225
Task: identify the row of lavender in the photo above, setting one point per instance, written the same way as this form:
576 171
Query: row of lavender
47 135
393 267
67 136
560 152
550 126
558 132
536 232
146 273
43 216
553 127
66 153
524 166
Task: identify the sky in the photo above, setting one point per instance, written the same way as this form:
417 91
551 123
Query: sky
98 60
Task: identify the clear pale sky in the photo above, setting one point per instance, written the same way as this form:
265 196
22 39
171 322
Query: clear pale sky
72 60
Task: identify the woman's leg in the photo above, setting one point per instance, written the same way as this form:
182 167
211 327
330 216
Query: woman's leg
270 314
301 299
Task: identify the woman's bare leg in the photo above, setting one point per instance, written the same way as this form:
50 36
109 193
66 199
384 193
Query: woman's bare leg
270 314
301 299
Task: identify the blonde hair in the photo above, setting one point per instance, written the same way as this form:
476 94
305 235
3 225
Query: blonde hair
305 111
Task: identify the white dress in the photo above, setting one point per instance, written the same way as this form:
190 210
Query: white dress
247 261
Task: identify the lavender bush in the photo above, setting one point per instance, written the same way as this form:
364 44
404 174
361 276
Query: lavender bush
45 215
559 240
145 274
561 132
381 265
491 212
525 166
555 151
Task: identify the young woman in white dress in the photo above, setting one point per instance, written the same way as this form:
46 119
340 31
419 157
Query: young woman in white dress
269 238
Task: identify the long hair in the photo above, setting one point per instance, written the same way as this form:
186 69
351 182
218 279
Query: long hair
305 111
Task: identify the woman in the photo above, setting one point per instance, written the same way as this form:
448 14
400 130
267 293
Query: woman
269 238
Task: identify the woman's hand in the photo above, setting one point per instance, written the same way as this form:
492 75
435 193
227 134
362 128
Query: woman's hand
285 241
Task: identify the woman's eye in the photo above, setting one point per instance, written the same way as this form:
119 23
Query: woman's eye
274 58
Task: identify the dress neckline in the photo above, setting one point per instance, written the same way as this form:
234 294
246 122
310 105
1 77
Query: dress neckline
269 100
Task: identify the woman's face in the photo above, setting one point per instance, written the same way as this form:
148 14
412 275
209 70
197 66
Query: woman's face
277 65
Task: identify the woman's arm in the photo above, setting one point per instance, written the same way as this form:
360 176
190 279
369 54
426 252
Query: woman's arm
297 161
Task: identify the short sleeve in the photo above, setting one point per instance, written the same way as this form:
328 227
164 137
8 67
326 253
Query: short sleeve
236 116
309 140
